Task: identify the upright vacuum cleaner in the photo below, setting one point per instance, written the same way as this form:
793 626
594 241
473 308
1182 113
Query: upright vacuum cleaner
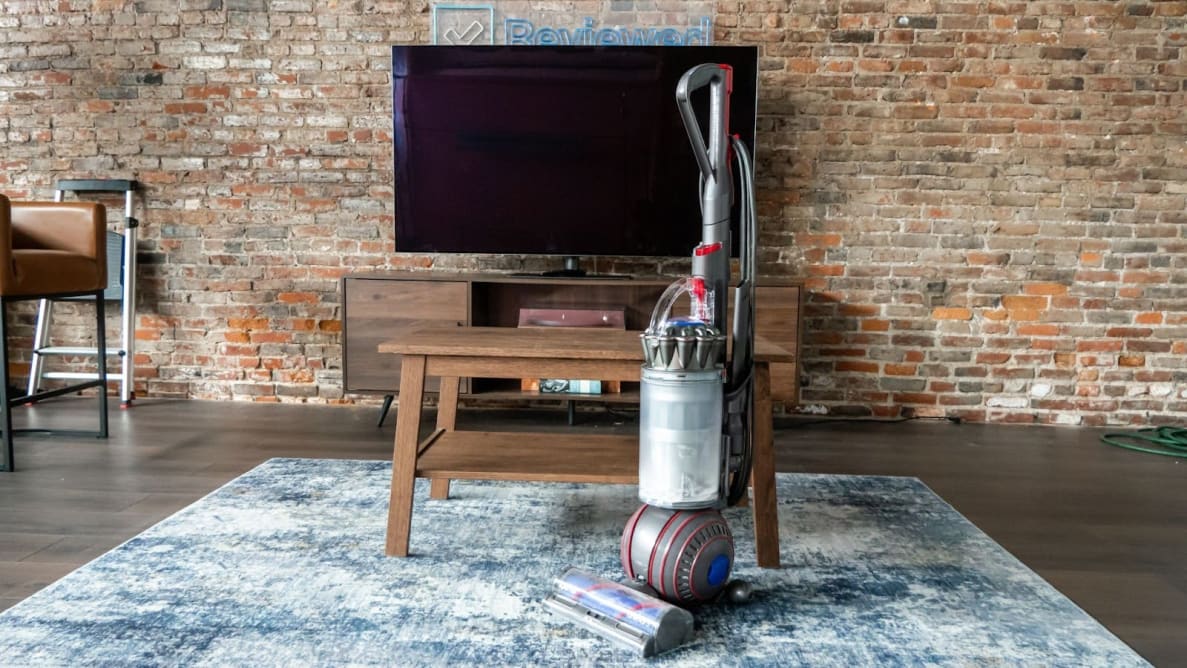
695 416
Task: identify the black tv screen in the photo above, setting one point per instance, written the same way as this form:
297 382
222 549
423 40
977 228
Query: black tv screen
553 150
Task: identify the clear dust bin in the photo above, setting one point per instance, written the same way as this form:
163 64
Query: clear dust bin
680 449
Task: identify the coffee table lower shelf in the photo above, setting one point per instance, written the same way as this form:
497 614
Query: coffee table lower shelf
532 456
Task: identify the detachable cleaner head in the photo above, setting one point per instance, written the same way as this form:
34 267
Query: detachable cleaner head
641 623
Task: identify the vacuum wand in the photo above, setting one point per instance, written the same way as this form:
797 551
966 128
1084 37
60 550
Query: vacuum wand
711 257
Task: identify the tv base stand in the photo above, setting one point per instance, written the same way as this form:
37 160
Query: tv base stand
572 264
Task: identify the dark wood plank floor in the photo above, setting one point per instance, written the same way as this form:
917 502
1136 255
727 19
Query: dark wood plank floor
1105 526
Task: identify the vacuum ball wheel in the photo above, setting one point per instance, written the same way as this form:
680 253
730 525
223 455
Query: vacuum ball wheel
684 555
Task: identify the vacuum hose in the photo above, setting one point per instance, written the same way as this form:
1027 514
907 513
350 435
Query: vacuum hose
740 392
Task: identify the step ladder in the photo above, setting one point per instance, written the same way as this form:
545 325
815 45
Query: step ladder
121 287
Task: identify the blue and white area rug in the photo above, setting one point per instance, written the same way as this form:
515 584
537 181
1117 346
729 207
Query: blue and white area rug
284 566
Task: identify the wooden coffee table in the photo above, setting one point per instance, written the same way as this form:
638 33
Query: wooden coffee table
451 353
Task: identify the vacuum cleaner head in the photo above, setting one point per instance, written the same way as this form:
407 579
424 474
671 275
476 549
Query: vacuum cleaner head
684 555
639 622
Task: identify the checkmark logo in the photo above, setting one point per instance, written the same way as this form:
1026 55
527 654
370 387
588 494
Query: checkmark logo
463 25
471 33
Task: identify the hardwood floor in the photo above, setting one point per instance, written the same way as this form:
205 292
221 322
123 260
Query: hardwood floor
1105 526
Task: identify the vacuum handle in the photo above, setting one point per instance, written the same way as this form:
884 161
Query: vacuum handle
720 80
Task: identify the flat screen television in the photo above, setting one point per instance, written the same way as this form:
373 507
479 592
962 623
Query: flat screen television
567 151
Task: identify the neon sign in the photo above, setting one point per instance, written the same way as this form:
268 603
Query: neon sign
477 24
523 31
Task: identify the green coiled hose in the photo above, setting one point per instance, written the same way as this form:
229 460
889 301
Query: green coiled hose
1170 441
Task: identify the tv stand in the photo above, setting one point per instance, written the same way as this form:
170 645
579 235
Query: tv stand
572 264
378 306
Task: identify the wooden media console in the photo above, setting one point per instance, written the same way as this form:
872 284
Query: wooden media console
378 306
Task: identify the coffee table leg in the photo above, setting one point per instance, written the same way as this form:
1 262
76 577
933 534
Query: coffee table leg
399 514
766 513
447 420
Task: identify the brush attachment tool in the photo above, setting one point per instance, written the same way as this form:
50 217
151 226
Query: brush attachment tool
629 617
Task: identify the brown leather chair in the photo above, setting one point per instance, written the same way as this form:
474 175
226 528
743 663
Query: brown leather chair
51 250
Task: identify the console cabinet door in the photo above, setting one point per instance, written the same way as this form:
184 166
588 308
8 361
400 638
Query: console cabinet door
376 309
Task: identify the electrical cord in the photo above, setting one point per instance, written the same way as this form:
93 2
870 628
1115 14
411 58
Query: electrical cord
1172 441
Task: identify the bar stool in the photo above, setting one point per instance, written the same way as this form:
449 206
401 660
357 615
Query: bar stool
51 250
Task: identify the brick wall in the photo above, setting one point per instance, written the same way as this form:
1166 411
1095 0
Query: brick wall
986 198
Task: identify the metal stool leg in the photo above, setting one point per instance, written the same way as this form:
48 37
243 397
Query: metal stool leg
128 305
8 463
101 359
45 314
387 406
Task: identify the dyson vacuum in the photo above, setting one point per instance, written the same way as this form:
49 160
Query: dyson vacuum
695 415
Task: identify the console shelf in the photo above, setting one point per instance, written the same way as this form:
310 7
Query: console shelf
379 305
494 455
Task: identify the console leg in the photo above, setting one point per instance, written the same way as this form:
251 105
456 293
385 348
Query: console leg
399 514
766 510
447 420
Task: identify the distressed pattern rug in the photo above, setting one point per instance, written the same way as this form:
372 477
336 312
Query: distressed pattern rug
284 566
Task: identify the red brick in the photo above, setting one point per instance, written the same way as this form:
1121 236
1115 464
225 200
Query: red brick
1020 302
1128 332
818 240
1024 315
972 81
297 298
207 91
1131 360
843 352
271 337
1038 330
826 270
248 323
244 148
859 309
946 313
1145 277
1044 289
913 398
182 108
860 367
1111 346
